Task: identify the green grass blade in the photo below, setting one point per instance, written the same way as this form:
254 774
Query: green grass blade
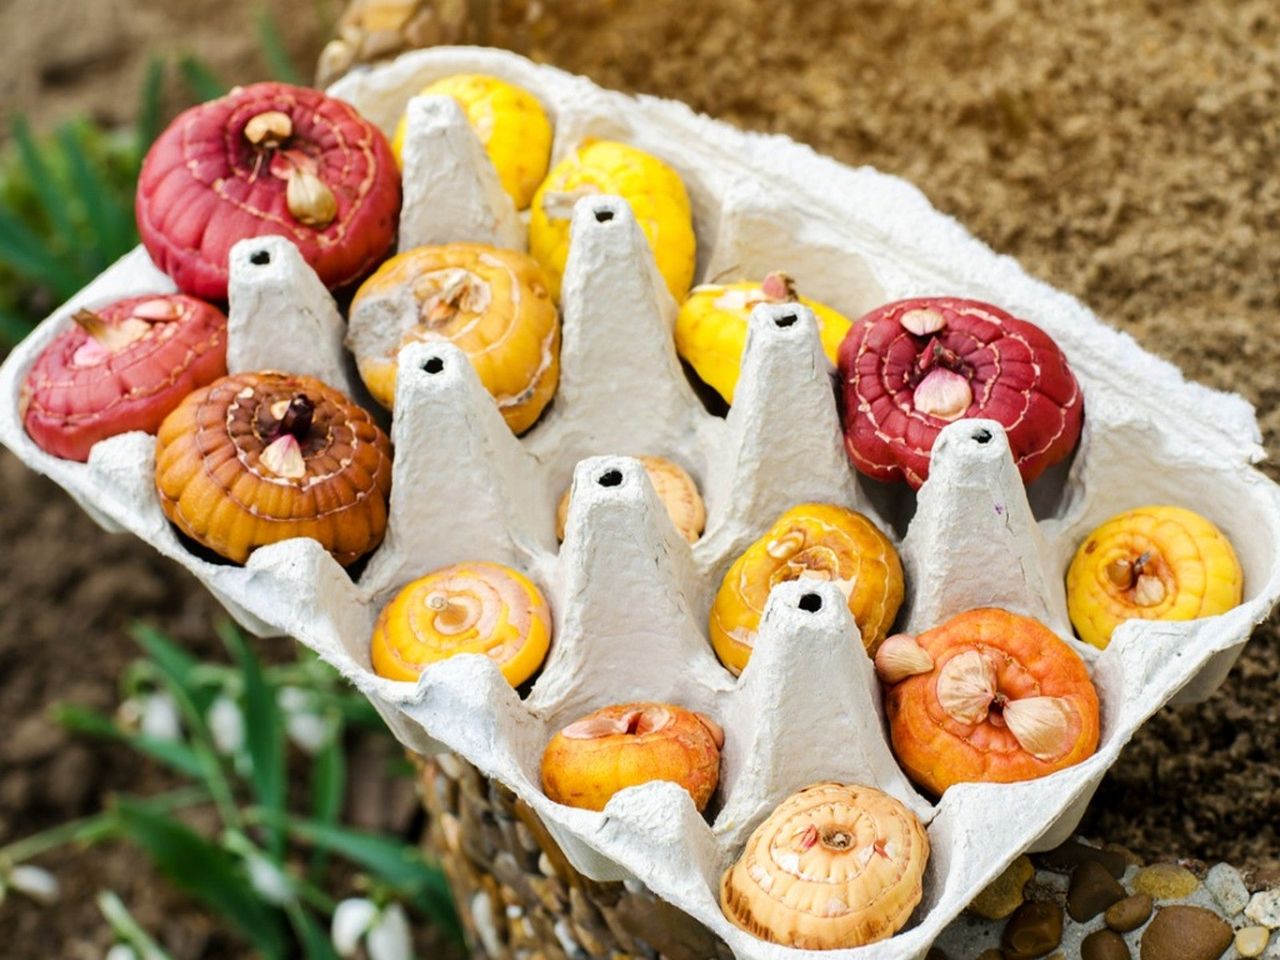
206 872
200 80
354 709
173 754
96 827
128 929
273 49
328 791
176 672
14 327
264 734
391 861
150 104
110 225
52 199
315 942
172 660
27 254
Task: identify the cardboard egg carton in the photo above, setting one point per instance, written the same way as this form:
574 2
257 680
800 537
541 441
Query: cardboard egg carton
630 596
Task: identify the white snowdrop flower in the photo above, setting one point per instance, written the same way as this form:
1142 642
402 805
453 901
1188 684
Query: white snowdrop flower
226 724
121 951
351 921
389 938
310 731
293 700
268 880
36 882
160 717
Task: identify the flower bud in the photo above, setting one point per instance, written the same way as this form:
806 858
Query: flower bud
389 937
226 724
36 882
160 717
351 921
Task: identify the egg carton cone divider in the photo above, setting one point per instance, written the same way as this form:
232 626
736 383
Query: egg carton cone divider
630 597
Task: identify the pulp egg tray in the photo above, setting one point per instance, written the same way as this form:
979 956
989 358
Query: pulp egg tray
630 596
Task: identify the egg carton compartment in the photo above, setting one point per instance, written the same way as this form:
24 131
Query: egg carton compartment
630 597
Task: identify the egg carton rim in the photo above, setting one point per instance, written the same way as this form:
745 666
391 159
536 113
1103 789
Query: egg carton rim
615 834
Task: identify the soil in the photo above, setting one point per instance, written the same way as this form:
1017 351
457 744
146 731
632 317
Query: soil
1124 152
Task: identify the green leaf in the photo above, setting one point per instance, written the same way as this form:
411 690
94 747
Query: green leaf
128 929
97 827
264 734
392 862
206 872
149 105
328 791
52 199
177 672
111 227
273 49
354 708
24 252
171 753
173 662
200 80
315 942
13 327
329 781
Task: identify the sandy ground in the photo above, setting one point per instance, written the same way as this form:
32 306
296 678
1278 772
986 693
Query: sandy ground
1123 151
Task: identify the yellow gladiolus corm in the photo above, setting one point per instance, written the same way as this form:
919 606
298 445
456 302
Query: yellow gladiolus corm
494 305
816 541
511 125
1153 563
654 191
482 608
711 328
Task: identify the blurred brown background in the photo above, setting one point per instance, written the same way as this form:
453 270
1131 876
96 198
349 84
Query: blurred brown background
1124 151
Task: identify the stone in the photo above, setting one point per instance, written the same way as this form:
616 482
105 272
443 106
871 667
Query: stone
991 953
1034 929
1104 945
1264 908
1165 881
1129 913
1251 941
1092 890
1004 894
1131 858
1228 889
1180 932
1263 878
1068 856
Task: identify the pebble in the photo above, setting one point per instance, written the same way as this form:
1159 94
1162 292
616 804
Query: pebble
1165 881
1264 908
1227 886
1033 930
1186 933
1068 856
1092 890
1129 913
1131 858
1004 895
1264 878
1251 941
1104 945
